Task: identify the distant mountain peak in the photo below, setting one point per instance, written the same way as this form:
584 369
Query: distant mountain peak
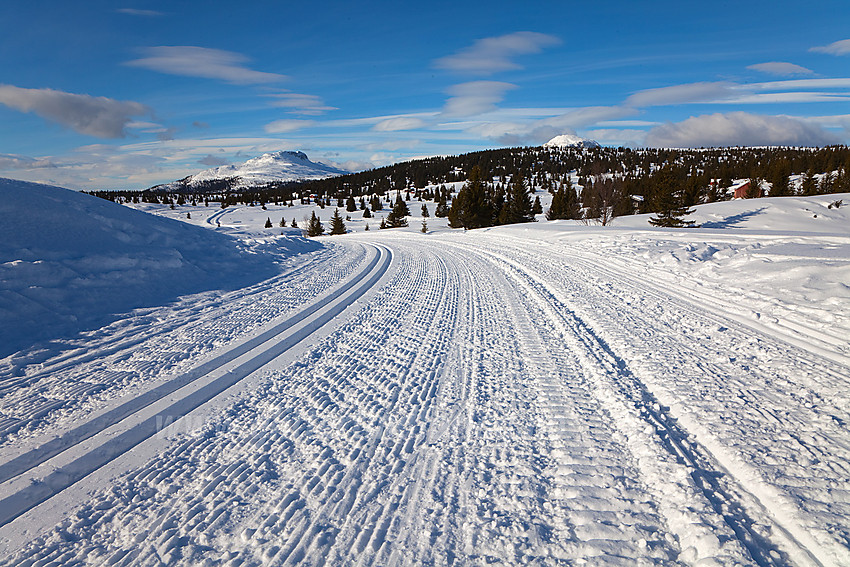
571 141
271 167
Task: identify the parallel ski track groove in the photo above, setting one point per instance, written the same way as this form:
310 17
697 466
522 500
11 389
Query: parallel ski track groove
17 503
704 468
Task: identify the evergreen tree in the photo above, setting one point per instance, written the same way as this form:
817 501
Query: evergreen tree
667 200
518 206
315 226
268 223
350 205
367 214
425 213
537 208
282 222
424 229
337 225
294 223
442 209
398 215
808 184
470 208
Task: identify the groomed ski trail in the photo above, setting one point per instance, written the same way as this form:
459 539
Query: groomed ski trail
491 401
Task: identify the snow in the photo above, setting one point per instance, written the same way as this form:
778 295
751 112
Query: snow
571 141
547 393
268 168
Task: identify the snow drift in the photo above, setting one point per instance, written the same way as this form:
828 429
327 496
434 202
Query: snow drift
69 260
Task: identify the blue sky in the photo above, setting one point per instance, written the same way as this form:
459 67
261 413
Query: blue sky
104 94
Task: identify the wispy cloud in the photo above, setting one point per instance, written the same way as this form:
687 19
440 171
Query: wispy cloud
399 123
311 105
135 12
287 125
493 54
682 94
95 116
191 61
212 161
781 69
12 161
476 97
738 129
836 48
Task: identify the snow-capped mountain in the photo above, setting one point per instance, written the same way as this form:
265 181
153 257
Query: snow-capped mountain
571 141
272 167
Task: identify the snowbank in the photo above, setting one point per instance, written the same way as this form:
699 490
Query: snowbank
68 261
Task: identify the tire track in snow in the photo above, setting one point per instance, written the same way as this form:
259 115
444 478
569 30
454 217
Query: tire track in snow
97 443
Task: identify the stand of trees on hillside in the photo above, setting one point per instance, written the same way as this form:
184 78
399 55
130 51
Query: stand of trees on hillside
493 187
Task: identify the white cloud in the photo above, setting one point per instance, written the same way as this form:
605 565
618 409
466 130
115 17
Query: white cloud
836 48
476 97
11 161
95 116
399 123
301 103
281 126
191 61
738 129
781 69
682 94
490 55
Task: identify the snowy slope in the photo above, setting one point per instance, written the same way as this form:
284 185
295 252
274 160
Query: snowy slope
271 167
548 393
571 141
68 261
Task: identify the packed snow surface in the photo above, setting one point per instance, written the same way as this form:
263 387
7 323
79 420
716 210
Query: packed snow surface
271 167
545 394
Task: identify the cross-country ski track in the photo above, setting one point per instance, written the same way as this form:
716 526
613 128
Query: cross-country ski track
455 399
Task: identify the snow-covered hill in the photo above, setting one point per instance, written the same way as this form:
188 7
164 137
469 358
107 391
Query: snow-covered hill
571 141
268 168
68 261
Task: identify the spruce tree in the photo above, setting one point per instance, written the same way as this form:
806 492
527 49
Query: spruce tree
537 208
337 225
470 209
268 223
425 213
315 226
518 207
398 215
294 223
350 205
367 214
667 200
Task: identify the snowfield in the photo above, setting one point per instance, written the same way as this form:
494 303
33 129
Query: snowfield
544 394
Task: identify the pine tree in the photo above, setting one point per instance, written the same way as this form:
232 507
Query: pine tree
398 215
470 209
537 208
268 223
350 205
337 225
424 229
367 214
294 223
518 207
442 209
282 222
315 226
425 213
667 201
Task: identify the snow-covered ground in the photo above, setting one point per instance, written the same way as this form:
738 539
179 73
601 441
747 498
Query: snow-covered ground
534 394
